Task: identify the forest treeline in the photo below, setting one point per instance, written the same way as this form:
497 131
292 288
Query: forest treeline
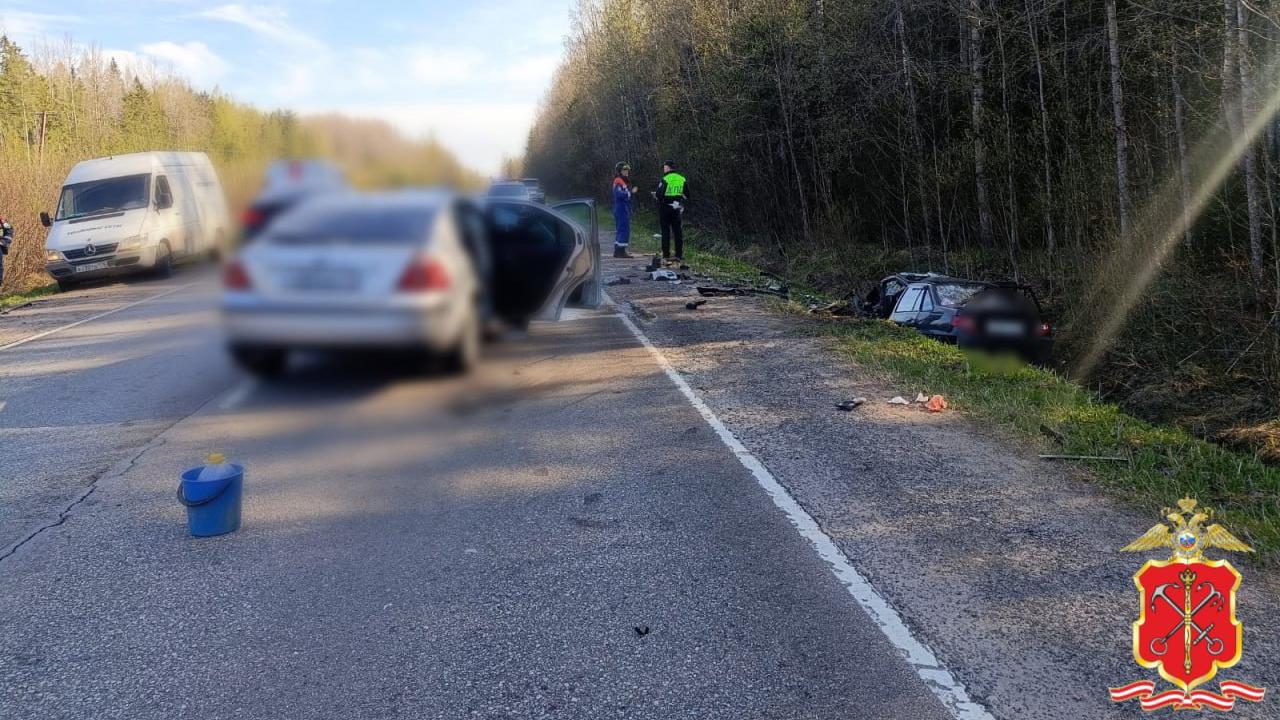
1120 156
64 103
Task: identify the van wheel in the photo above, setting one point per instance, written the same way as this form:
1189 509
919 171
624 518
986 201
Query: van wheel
259 361
463 357
164 262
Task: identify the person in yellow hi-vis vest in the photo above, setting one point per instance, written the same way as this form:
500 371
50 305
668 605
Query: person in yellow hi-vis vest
672 195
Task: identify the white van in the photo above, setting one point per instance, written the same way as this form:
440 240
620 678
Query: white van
134 213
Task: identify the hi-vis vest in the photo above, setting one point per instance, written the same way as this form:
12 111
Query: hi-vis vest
675 184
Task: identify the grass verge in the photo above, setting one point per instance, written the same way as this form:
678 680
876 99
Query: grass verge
1159 464
15 299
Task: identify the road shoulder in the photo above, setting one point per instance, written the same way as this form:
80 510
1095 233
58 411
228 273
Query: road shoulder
969 535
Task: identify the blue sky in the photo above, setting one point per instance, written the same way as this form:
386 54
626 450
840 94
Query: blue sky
471 73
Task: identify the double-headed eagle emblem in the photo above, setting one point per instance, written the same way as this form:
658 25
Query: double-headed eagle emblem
1187 627
1186 534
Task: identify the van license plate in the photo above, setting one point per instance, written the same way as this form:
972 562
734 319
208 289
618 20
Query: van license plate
90 267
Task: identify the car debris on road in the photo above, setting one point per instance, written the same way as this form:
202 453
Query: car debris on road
849 405
694 304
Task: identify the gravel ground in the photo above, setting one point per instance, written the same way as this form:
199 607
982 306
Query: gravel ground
1008 567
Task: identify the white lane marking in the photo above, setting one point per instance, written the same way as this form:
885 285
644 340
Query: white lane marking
238 394
926 665
91 318
3 405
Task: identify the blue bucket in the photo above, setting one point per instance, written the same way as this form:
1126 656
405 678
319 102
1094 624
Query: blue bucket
213 505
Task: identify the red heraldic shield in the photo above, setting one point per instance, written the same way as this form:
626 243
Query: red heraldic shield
1188 627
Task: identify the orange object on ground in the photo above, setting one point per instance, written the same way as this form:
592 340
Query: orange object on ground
937 403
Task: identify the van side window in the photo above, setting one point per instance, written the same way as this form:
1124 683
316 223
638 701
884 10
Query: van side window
164 196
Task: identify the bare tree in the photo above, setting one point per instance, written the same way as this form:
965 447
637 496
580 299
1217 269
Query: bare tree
1184 169
977 76
1246 111
1048 200
1117 110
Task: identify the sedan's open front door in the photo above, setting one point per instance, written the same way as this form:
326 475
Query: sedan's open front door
542 257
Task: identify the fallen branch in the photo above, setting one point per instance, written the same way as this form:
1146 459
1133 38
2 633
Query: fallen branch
1110 458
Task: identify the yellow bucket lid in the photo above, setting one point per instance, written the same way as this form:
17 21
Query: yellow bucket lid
215 458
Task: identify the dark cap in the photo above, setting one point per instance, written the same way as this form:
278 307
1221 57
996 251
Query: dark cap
669 163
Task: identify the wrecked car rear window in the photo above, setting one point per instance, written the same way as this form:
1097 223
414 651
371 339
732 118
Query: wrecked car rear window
956 294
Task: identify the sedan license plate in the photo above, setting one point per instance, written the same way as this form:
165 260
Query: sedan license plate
323 280
90 267
1006 328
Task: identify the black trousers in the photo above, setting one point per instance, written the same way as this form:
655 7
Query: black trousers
669 221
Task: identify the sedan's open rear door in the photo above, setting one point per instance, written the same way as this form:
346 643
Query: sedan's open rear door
542 257
583 212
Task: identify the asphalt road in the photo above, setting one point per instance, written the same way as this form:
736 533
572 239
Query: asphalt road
562 535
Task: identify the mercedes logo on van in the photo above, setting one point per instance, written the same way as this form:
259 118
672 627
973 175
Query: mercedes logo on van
90 249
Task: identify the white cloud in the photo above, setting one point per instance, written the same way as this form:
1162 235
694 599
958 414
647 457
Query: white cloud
127 60
480 134
533 72
268 21
192 60
442 66
26 27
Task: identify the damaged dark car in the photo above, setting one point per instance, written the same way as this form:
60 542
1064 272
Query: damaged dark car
995 317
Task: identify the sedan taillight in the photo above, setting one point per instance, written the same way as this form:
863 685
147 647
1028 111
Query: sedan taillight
1046 329
963 322
252 218
424 274
235 277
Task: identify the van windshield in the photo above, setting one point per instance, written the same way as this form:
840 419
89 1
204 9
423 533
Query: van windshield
107 195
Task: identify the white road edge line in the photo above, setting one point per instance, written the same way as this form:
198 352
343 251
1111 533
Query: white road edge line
926 665
238 394
91 318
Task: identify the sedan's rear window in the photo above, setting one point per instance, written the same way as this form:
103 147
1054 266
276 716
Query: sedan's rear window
377 224
508 191
956 294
